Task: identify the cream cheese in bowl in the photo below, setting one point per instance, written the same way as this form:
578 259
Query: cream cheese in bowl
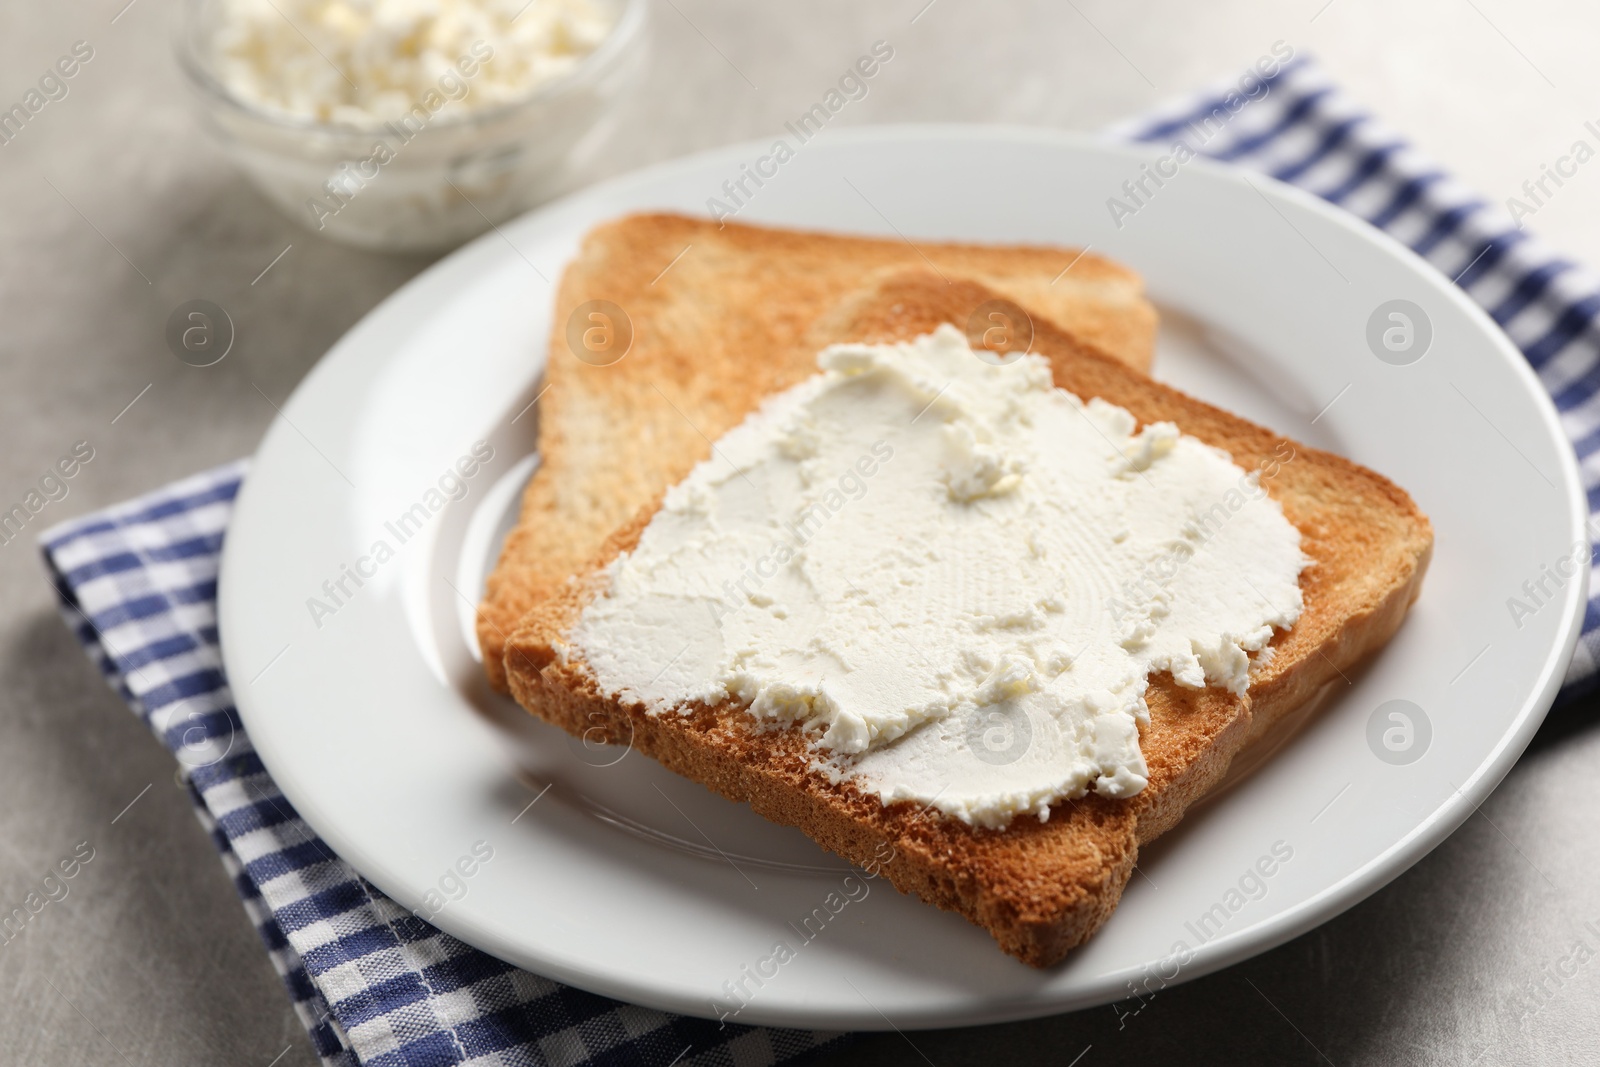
410 123
957 578
370 62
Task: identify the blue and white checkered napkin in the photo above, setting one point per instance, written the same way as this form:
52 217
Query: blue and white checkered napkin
376 985
373 983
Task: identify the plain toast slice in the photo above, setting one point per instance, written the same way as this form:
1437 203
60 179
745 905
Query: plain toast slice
1038 888
721 318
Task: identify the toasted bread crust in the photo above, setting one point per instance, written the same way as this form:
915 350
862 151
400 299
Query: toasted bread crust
738 316
1038 888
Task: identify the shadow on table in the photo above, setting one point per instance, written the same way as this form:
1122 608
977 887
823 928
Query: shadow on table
1566 721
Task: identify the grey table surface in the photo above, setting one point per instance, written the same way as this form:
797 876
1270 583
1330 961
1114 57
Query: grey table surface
114 209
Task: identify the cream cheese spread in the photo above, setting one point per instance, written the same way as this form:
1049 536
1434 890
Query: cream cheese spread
954 576
365 62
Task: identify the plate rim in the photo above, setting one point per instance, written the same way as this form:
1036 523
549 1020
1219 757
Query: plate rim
1224 951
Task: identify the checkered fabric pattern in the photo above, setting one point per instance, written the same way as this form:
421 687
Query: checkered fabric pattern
1303 130
374 984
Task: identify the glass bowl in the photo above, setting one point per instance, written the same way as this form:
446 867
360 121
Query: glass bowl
393 187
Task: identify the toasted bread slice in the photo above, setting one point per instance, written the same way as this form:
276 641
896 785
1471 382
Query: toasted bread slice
1038 888
722 318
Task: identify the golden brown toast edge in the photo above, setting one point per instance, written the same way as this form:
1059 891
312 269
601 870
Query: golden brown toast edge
1038 888
705 301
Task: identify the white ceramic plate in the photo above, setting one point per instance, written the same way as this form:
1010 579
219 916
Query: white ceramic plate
375 723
